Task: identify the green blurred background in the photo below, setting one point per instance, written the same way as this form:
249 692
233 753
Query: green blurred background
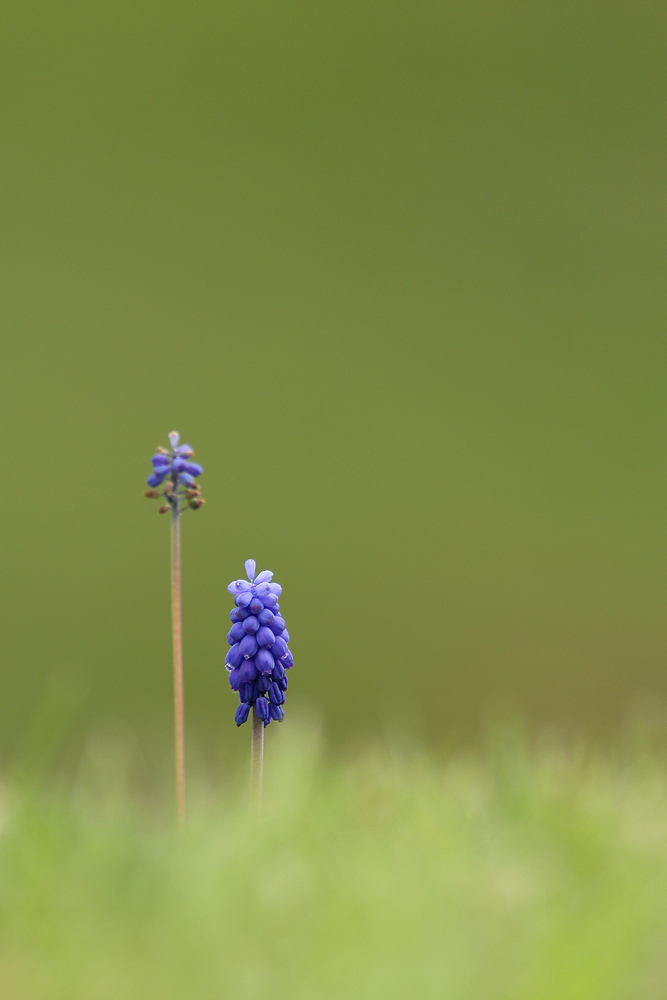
397 271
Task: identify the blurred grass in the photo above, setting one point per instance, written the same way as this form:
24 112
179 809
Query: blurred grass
515 873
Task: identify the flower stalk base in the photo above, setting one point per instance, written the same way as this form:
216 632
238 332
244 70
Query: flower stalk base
256 760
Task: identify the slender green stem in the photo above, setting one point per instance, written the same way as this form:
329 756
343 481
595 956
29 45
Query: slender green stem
177 641
256 760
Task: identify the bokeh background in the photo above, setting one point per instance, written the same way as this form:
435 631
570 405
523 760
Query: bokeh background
397 271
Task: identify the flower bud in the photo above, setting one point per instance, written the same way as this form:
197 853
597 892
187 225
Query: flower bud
241 714
278 672
238 614
234 656
238 587
265 637
174 438
235 680
276 696
152 494
248 692
250 567
262 683
276 713
251 625
243 600
247 671
287 660
279 648
235 633
256 606
266 617
265 662
277 625
264 576
164 509
262 709
247 646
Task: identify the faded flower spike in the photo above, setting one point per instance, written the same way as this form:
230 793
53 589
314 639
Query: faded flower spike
259 654
174 481
173 468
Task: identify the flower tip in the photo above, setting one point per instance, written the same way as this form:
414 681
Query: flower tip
250 567
174 438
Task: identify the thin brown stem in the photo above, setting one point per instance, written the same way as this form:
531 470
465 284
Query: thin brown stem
177 640
256 760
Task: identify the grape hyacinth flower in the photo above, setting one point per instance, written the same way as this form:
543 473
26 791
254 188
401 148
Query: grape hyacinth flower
174 469
258 659
174 480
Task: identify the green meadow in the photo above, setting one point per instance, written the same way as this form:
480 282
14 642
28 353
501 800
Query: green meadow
516 872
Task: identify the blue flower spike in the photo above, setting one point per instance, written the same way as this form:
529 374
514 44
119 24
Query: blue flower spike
259 655
174 478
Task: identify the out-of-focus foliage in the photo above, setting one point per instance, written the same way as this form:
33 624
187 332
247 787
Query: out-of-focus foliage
511 874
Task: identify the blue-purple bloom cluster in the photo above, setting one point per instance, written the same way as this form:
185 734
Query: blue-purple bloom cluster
259 654
174 468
